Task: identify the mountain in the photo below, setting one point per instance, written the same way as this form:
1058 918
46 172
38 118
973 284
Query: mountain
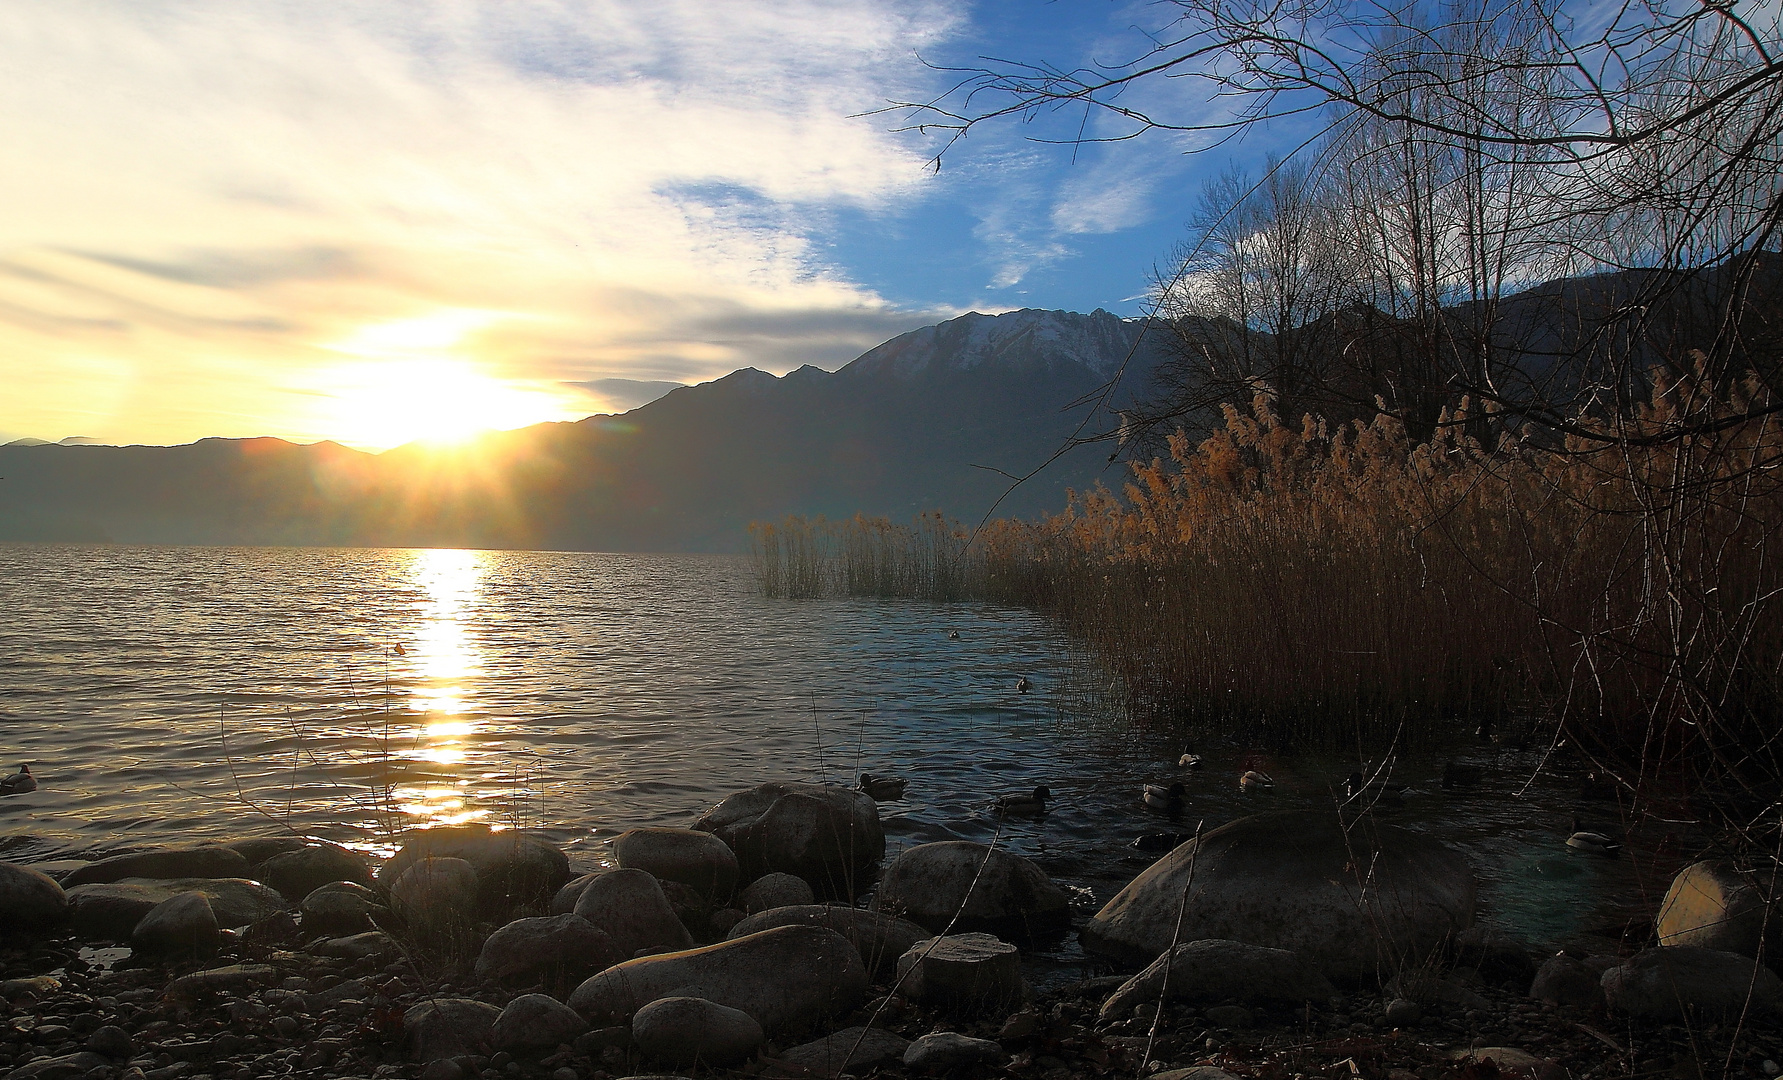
934 419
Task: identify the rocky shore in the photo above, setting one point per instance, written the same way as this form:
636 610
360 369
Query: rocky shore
736 947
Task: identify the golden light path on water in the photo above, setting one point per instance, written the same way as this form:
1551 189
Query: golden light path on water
444 657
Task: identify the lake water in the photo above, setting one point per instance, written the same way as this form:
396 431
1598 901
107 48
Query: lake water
172 694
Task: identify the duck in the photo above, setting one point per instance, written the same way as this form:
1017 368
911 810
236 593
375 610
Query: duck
1458 777
19 782
1164 798
882 788
1253 781
1595 842
1379 793
953 635
1189 761
1161 841
1022 685
1033 802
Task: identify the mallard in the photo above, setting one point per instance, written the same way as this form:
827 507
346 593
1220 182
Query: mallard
1189 761
953 635
1032 803
1164 798
1594 842
1379 792
882 788
1161 841
1458 777
1022 685
1253 780
19 782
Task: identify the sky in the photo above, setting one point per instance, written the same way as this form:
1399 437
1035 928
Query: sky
384 220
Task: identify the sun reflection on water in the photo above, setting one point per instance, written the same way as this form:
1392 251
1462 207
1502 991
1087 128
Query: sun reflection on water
445 658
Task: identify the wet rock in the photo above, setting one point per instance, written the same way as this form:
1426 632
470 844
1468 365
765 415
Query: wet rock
340 909
514 869
785 978
693 858
296 874
258 849
776 891
1711 905
30 899
1512 1062
854 1050
563 901
1659 983
359 946
205 861
1563 980
230 979
436 897
535 1022
826 834
1231 1017
112 1041
448 1028
990 889
183 926
692 1030
963 974
630 907
558 950
1223 970
1288 881
944 1051
110 910
881 939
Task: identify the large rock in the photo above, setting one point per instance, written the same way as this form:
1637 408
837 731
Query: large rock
947 1051
630 906
989 890
559 951
694 1031
786 978
776 890
1358 905
297 873
514 869
881 939
1563 980
182 926
258 849
1713 906
563 901
694 858
30 899
964 974
205 861
436 897
826 834
448 1028
340 908
851 1050
535 1022
111 910
1659 983
1215 971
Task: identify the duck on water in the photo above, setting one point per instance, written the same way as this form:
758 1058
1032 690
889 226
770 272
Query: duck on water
19 782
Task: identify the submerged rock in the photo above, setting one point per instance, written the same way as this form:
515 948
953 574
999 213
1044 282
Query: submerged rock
988 889
630 907
693 858
692 1030
881 939
1217 971
30 899
826 834
205 861
514 868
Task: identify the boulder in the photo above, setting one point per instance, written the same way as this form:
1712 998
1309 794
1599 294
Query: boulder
1214 971
558 951
694 1031
258 849
112 1041
373 943
689 856
851 1050
881 939
1289 880
340 908
630 907
826 834
786 978
514 869
436 897
719 926
990 890
691 906
563 901
1563 980
945 1051
30 899
182 926
1711 905
963 974
297 873
775 891
111 910
448 1028
1658 983
205 861
535 1022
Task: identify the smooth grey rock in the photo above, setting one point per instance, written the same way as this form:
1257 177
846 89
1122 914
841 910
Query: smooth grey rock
630 907
258 849
436 897
296 874
1658 983
826 834
30 899
850 1050
341 908
448 1028
693 858
182 926
881 939
944 1051
964 974
1216 971
786 977
695 1031
112 1041
514 868
1563 980
535 1022
204 861
1712 905
776 891
230 979
989 890
557 950
111 910
358 946
1289 881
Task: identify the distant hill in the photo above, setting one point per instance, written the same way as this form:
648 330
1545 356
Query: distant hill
933 419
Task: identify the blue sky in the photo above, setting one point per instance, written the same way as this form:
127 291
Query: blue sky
381 220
